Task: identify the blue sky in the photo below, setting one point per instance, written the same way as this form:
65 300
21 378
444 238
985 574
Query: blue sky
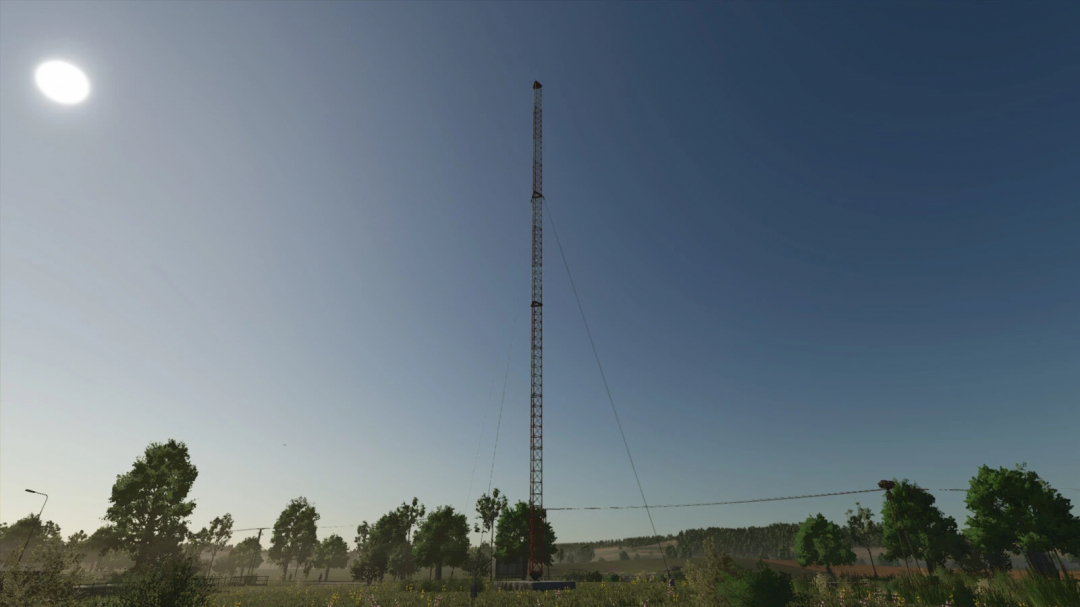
819 245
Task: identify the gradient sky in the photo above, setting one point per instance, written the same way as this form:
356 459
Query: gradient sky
819 245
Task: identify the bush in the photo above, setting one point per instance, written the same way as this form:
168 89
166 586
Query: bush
761 588
46 576
174 583
578 575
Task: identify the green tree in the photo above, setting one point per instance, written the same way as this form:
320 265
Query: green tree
479 561
77 539
512 537
409 515
443 539
294 535
363 530
386 541
489 508
402 562
1016 511
248 555
584 554
913 526
624 555
332 552
149 506
216 536
100 543
228 562
670 552
29 527
821 542
863 531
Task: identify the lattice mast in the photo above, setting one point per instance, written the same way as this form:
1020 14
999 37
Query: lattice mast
536 397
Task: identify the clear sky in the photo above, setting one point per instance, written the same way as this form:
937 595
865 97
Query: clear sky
819 245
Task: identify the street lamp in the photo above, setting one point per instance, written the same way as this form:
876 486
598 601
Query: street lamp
31 534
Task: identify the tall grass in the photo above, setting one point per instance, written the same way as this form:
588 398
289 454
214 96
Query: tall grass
625 594
946 589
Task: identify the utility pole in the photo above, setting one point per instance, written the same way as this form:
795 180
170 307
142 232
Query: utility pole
536 397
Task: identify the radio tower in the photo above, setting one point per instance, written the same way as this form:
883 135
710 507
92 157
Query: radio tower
536 397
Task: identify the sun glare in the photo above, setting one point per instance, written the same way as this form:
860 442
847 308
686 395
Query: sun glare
62 82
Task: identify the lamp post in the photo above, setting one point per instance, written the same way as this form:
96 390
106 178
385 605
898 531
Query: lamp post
31 534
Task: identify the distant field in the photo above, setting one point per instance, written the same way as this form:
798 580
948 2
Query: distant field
635 566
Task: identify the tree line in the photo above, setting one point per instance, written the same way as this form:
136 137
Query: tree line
770 542
147 526
1012 511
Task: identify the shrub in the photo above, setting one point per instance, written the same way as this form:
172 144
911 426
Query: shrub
761 588
176 582
46 576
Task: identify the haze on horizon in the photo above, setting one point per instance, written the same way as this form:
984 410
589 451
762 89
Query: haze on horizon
819 245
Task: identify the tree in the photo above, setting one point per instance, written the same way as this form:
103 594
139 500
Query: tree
77 539
100 543
386 541
913 526
402 563
479 561
229 562
821 542
216 536
489 508
294 535
362 532
443 539
410 514
863 531
332 552
248 555
624 555
148 506
1016 511
584 554
512 537
30 526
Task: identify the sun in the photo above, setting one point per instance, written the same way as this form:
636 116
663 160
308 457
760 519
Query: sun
62 82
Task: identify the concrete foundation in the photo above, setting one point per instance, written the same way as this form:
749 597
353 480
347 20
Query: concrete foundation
530 585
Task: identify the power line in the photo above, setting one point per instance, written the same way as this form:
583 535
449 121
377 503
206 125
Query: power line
680 504
502 401
753 501
606 387
767 499
510 351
